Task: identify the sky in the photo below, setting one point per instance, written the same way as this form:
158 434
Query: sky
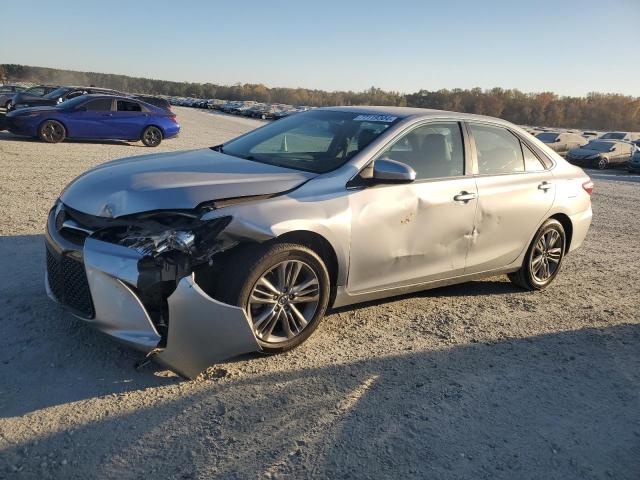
565 46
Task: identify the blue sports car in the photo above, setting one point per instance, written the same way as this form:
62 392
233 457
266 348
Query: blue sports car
96 117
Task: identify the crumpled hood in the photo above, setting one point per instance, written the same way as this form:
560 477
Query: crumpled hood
584 153
175 180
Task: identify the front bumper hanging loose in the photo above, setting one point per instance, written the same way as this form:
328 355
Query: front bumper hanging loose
201 330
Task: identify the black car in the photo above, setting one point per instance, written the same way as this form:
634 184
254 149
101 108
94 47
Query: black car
37 91
155 101
59 95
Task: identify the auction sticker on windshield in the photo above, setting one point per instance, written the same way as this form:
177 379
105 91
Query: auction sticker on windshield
374 118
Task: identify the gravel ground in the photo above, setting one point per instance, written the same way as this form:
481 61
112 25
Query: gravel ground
479 380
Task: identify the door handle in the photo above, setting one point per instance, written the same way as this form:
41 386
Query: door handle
107 114
544 186
464 196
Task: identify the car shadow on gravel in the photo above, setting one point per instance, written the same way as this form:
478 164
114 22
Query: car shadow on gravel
4 135
561 405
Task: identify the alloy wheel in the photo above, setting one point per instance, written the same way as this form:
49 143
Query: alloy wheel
152 136
52 132
546 255
283 301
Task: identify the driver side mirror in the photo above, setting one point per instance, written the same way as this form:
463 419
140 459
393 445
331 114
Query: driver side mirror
386 170
612 149
558 140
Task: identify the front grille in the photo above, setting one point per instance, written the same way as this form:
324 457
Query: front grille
68 282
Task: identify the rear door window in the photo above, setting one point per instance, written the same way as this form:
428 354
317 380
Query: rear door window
99 105
125 106
498 150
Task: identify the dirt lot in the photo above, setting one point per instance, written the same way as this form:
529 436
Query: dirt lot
474 381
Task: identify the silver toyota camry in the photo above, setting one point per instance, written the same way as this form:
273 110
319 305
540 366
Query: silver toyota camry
198 256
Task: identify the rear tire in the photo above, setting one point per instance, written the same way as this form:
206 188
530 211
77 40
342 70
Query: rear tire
151 136
242 284
543 258
52 131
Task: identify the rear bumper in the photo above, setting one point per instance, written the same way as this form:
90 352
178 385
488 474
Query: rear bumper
171 131
201 330
580 223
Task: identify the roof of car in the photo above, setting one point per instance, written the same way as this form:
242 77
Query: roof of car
93 96
608 140
73 87
102 95
411 112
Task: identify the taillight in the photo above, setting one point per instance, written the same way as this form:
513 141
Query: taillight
173 119
588 187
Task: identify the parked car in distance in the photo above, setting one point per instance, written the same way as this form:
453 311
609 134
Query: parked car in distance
601 153
11 89
628 136
6 99
57 96
561 142
634 164
96 117
590 135
203 255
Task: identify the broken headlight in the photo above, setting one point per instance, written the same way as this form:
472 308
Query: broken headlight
154 235
153 245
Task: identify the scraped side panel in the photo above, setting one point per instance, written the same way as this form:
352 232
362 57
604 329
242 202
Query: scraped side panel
203 331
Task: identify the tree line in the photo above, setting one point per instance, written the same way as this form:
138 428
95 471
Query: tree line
601 111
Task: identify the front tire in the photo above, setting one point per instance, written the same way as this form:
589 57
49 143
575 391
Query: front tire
52 131
151 136
602 163
283 288
543 259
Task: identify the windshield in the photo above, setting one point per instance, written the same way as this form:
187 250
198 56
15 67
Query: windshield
599 146
315 141
37 91
56 93
547 137
614 135
73 103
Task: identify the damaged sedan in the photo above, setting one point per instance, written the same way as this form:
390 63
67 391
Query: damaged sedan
199 256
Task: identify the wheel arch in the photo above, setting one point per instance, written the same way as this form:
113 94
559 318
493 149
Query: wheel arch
322 247
565 221
64 125
155 124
